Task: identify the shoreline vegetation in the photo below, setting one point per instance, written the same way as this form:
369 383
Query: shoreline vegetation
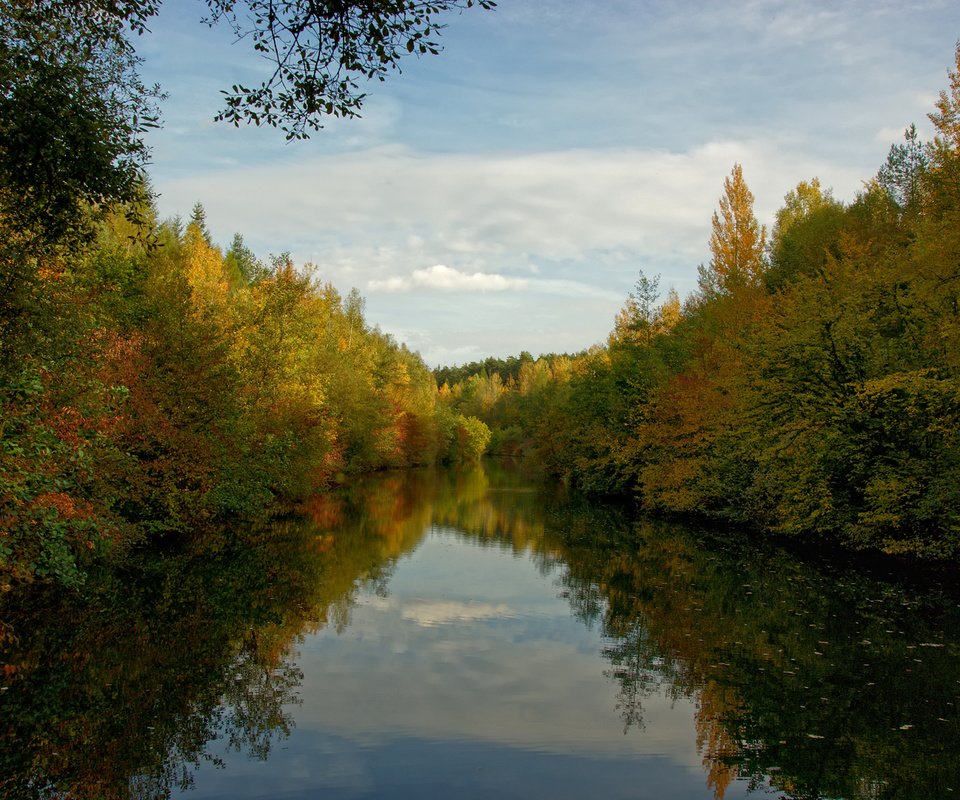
153 384
169 386
808 388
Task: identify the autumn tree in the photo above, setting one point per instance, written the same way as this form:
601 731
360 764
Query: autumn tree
814 396
635 322
737 241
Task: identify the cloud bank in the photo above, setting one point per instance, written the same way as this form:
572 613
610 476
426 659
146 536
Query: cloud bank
428 613
576 226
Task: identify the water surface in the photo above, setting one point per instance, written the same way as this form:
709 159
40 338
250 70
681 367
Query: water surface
473 634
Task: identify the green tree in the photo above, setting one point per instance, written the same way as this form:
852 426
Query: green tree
636 321
241 263
198 217
901 175
805 233
471 438
73 112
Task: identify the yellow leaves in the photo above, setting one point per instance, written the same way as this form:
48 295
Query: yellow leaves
737 241
624 330
204 270
669 313
533 376
714 741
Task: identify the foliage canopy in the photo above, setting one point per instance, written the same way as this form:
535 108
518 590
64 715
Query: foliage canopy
809 388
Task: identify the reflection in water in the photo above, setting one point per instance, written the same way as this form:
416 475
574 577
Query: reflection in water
804 680
115 694
820 681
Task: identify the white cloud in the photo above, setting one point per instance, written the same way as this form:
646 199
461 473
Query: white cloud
889 136
442 278
376 215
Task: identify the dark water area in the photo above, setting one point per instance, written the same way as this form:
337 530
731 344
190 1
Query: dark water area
475 634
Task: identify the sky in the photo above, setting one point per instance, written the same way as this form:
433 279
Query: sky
505 195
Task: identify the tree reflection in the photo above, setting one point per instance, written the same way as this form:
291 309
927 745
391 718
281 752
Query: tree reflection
121 692
810 679
816 679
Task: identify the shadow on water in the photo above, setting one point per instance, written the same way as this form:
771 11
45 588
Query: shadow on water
809 679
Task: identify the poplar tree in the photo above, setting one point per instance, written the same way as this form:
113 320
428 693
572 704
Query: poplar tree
737 241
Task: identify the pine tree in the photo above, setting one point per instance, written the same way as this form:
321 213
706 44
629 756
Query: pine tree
198 217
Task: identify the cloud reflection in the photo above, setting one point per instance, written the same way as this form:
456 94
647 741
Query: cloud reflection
476 645
428 614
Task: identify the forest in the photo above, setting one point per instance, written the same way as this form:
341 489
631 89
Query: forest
160 388
808 388
153 384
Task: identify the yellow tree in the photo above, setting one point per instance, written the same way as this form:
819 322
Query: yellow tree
737 241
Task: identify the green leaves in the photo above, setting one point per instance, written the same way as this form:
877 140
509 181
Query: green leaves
72 113
321 51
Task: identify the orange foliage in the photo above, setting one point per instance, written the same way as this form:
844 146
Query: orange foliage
325 510
66 506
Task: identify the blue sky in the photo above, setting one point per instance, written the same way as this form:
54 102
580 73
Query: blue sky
504 195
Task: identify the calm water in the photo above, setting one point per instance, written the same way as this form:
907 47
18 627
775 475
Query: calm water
465 634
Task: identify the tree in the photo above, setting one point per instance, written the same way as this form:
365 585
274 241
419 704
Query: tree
471 437
946 118
737 241
906 163
804 234
943 177
241 263
635 322
57 55
73 111
198 217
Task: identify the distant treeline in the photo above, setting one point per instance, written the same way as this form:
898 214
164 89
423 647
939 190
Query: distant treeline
810 386
507 368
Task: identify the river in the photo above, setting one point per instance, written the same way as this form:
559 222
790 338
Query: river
475 633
